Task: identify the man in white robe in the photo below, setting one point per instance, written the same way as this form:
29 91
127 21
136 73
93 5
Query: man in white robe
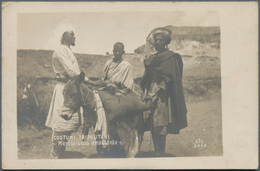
66 67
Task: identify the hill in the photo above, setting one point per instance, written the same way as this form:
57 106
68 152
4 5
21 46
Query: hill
190 40
37 63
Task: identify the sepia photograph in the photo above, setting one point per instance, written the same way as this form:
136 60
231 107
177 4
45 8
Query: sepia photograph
178 67
135 85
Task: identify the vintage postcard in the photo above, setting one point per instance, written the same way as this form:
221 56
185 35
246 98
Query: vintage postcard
130 85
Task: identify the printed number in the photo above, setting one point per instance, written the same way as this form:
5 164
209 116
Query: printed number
199 143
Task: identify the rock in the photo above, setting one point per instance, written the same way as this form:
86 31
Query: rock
46 65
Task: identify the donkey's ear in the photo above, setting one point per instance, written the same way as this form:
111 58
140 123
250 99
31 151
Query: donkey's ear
80 78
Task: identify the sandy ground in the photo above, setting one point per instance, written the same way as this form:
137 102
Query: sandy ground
203 137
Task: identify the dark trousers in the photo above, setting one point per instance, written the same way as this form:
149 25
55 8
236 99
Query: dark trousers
159 142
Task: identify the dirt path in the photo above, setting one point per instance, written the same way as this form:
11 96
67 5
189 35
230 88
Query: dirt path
203 137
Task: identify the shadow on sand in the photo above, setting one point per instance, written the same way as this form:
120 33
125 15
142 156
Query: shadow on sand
111 155
152 154
148 154
72 155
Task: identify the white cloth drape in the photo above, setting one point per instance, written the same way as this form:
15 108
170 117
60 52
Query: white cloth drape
101 124
120 71
54 119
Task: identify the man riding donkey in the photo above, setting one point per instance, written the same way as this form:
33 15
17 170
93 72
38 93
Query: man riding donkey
118 71
162 85
66 67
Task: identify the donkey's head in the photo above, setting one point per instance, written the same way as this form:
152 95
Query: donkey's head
73 98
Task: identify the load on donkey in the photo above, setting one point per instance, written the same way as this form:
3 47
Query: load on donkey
123 113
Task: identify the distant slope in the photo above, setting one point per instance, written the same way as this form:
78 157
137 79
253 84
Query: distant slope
37 63
187 30
182 37
34 63
188 41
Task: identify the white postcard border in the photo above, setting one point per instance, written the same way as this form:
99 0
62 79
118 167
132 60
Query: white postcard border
239 76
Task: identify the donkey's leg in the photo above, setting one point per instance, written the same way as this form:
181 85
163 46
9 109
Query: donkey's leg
99 147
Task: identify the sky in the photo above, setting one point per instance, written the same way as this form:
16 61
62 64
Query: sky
97 32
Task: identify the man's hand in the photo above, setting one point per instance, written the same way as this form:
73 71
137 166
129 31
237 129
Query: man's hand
63 78
150 97
149 60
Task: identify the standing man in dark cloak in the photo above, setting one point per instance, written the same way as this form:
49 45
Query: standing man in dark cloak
162 86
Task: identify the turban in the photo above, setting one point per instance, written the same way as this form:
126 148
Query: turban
167 35
64 35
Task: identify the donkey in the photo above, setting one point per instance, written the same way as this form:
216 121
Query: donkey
119 110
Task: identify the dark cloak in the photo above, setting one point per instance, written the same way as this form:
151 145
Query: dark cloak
169 66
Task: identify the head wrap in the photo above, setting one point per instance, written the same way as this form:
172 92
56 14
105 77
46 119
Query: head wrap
149 46
167 33
64 35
